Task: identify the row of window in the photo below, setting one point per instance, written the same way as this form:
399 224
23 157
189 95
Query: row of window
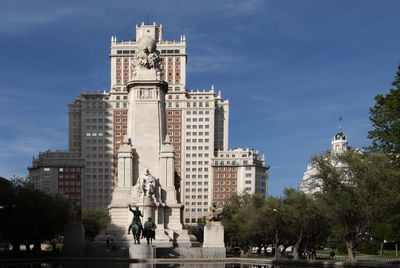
94 134
234 162
70 190
196 190
172 113
118 120
98 183
195 182
199 112
69 183
206 133
174 88
173 119
196 203
68 176
224 176
99 163
72 169
197 169
221 196
194 119
173 134
224 189
196 196
95 120
94 148
194 210
223 182
170 51
172 127
197 126
96 170
225 168
95 190
200 154
196 162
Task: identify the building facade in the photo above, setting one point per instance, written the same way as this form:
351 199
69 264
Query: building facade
197 123
238 171
58 171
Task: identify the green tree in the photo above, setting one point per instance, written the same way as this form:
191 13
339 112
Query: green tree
385 119
244 222
94 221
358 191
304 221
30 216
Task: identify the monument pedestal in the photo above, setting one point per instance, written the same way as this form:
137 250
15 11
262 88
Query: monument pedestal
73 240
141 251
213 245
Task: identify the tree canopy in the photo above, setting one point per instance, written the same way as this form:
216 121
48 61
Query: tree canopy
94 221
357 194
385 119
30 216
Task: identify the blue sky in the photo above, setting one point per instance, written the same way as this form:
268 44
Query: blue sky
288 68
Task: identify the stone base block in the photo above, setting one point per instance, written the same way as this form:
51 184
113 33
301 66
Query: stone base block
141 251
73 240
214 253
214 235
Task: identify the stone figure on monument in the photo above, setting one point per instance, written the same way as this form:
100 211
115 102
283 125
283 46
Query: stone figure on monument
136 224
214 213
147 56
146 184
75 214
149 230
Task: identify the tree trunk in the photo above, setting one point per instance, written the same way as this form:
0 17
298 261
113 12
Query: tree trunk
397 249
15 247
296 249
350 250
54 245
36 247
381 251
276 246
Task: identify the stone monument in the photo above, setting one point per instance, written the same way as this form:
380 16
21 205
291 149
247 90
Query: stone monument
74 233
213 245
147 150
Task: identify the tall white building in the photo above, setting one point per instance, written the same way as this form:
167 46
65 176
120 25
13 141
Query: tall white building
309 184
197 124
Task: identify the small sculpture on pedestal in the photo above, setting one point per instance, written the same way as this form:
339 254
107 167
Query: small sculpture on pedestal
214 214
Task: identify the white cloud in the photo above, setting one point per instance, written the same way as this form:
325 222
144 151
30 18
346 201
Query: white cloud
20 18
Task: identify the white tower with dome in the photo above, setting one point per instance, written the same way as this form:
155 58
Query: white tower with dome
310 185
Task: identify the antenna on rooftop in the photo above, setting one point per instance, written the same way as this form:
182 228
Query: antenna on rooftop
340 123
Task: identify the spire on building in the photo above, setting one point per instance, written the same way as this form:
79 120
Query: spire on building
339 141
